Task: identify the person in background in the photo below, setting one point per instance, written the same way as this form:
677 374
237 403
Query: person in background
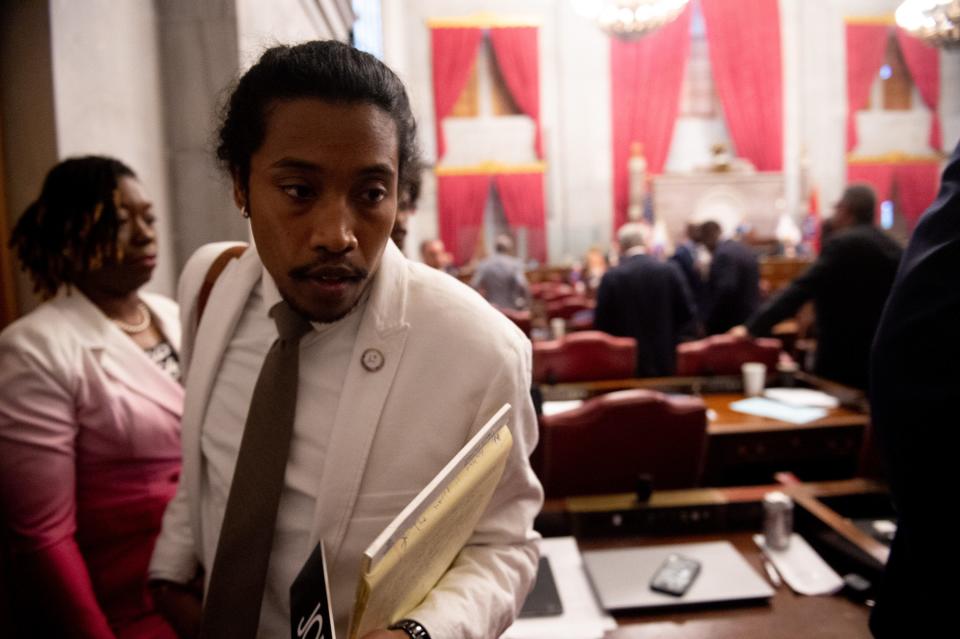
690 257
645 299
406 206
501 278
848 283
732 290
435 255
913 407
337 378
90 406
594 267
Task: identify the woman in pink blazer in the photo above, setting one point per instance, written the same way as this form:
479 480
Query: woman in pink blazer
90 405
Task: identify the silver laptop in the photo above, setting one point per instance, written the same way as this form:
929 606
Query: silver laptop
621 577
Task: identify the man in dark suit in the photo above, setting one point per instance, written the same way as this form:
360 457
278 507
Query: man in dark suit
849 284
915 382
732 291
687 258
647 300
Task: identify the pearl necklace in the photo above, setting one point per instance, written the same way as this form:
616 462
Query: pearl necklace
139 326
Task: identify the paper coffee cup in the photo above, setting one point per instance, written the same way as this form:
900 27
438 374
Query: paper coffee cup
754 378
558 326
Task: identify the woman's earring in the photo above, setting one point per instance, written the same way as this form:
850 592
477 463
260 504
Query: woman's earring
244 212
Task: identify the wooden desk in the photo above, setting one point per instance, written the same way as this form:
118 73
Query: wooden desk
688 385
743 449
787 616
717 514
746 449
699 385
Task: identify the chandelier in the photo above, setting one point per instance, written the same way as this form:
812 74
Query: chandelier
935 21
630 19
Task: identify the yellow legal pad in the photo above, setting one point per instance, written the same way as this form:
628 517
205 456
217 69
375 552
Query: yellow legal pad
410 556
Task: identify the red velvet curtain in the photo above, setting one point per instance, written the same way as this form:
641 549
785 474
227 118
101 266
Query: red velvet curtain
923 61
866 45
916 184
518 56
522 197
748 73
454 50
646 76
460 203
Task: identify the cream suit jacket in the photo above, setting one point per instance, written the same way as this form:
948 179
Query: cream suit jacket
450 361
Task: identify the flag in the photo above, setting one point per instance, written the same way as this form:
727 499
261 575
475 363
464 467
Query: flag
648 214
811 224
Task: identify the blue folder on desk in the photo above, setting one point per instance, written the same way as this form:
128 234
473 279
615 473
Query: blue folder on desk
764 407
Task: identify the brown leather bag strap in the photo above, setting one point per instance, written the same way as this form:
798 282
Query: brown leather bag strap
213 273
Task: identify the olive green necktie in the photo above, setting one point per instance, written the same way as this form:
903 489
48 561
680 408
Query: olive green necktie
232 603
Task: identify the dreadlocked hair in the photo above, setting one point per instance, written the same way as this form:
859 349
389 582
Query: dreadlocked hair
71 228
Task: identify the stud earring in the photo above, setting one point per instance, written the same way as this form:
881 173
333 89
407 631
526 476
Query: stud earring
244 212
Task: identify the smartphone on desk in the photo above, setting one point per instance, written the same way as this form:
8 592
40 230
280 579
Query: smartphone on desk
675 575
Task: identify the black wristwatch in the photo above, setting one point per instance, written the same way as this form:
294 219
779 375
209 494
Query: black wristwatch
413 628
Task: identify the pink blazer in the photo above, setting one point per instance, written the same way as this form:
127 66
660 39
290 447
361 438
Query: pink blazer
89 457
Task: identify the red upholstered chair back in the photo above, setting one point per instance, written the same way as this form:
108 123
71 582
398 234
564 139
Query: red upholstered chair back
604 445
724 354
550 291
582 357
522 319
567 307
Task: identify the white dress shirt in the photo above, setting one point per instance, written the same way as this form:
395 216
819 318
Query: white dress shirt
446 361
324 358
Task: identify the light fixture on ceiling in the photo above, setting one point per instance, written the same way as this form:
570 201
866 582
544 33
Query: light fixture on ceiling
630 19
935 21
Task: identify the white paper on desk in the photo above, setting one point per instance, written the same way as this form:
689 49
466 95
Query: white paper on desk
582 616
802 397
801 567
554 407
775 410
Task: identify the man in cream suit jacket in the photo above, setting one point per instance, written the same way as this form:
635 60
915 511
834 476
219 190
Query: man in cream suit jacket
416 361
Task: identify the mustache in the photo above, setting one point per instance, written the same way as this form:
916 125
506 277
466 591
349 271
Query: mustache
331 269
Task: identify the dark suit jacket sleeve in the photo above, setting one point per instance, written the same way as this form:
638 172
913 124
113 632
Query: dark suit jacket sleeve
720 283
605 312
915 382
724 275
684 308
787 302
724 281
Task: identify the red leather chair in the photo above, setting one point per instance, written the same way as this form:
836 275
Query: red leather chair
523 319
567 307
604 445
724 354
581 322
550 291
584 356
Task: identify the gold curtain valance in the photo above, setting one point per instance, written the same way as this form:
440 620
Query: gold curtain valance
483 21
894 158
492 168
883 20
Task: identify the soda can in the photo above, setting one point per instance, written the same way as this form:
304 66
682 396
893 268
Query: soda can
777 520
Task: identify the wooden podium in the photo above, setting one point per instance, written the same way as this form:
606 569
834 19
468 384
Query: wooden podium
729 198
